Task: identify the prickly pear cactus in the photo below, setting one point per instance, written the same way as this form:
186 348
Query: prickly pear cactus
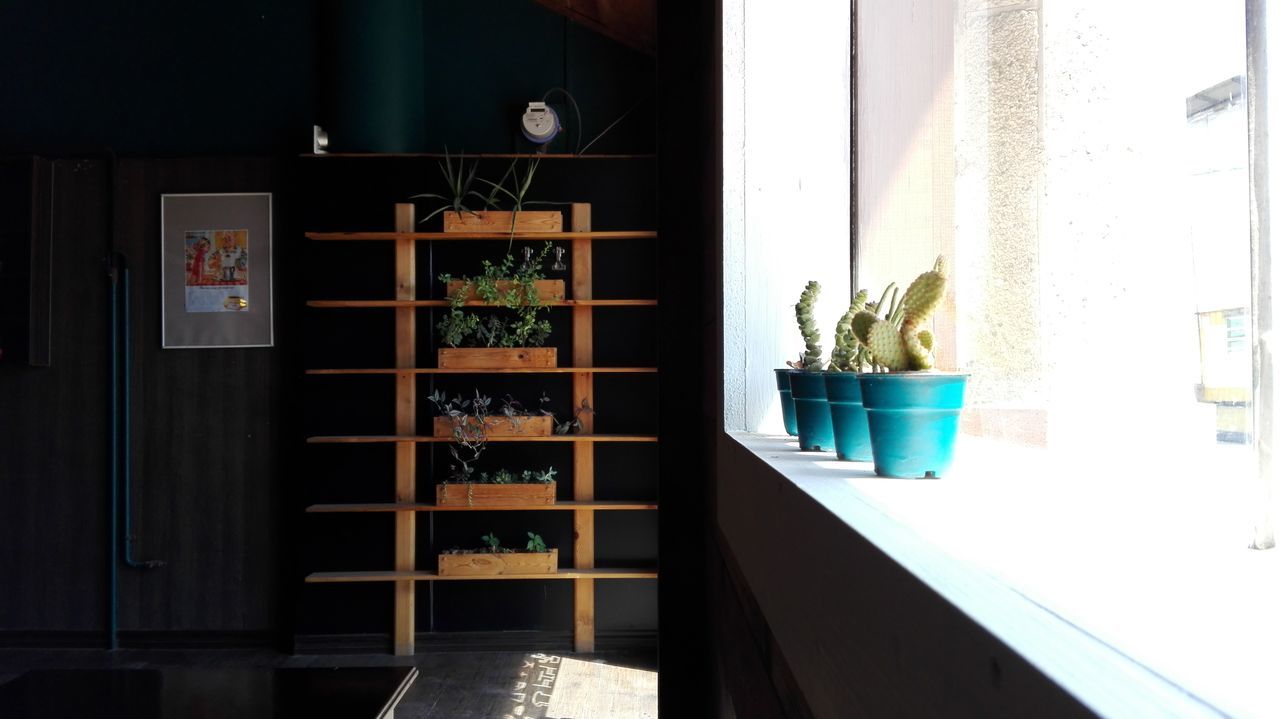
812 358
898 342
844 357
861 326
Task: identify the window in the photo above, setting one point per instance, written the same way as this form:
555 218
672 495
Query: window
1086 166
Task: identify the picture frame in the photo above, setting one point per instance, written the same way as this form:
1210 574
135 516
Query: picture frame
216 270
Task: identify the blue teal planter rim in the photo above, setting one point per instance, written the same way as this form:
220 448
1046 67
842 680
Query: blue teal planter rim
921 374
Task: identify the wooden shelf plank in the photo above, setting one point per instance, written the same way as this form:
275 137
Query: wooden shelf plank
603 235
598 506
387 439
477 303
428 576
500 370
486 155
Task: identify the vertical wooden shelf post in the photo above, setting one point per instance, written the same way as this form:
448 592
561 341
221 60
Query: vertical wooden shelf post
584 520
406 426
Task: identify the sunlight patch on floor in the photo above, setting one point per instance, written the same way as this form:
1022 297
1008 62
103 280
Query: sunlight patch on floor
554 687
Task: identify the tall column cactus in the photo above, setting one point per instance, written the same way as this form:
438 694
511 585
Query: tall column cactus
849 354
898 341
811 358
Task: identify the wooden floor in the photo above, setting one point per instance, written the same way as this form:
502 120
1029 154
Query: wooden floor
455 685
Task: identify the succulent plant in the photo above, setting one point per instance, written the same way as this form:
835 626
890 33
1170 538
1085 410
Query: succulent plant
811 358
898 341
849 355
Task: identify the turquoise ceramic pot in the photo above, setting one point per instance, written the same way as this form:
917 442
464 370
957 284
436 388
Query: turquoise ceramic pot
813 416
848 417
913 418
788 404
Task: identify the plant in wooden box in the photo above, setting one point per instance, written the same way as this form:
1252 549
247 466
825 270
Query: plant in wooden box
471 420
502 488
495 560
808 391
844 394
912 413
518 219
512 332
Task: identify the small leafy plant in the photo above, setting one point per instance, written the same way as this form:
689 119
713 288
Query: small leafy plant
896 339
493 545
811 358
506 476
504 286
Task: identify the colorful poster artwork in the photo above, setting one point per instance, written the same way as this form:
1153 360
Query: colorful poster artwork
217 266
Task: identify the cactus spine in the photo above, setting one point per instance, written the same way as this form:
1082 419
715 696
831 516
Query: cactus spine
898 341
848 354
811 360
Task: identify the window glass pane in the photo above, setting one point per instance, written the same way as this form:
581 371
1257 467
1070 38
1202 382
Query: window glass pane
1101 244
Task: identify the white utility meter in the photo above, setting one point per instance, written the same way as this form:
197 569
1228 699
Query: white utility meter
540 123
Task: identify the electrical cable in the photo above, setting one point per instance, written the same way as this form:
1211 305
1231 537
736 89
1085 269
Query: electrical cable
577 114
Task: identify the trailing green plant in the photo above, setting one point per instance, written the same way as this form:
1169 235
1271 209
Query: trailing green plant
459 183
811 358
522 326
573 425
535 543
470 433
850 355
492 541
896 338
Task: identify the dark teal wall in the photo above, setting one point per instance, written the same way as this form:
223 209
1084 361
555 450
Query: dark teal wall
486 59
155 76
167 77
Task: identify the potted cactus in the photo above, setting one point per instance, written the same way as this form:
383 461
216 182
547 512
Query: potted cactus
844 394
808 391
912 413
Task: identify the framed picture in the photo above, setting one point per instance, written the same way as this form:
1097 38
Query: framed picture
216 270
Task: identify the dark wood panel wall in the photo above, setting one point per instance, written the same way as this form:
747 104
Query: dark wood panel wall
204 427
53 431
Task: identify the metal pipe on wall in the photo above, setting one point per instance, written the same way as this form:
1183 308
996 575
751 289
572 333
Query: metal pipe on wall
121 454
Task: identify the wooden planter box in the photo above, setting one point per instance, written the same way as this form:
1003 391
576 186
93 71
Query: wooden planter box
495 495
495 357
482 564
498 426
548 290
500 221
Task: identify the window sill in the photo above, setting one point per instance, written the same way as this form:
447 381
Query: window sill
1147 614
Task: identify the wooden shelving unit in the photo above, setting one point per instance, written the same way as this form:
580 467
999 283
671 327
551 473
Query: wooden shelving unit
561 506
583 439
505 370
446 303
584 573
483 155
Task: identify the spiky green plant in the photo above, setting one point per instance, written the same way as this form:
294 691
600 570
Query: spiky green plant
898 341
849 355
459 184
520 184
811 358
